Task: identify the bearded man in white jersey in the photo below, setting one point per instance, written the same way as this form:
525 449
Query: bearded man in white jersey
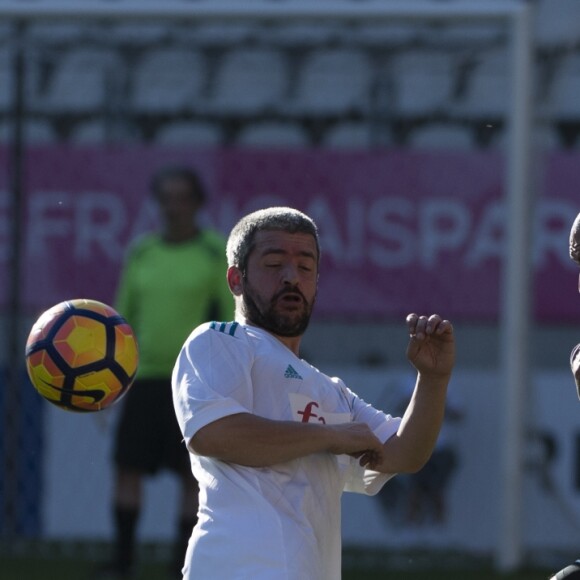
273 441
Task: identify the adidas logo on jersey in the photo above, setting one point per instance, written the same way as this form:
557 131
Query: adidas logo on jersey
225 327
291 373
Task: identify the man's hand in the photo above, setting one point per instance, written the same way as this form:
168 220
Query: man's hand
356 440
431 348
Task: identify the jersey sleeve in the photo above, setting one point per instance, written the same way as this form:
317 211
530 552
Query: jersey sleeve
384 426
211 378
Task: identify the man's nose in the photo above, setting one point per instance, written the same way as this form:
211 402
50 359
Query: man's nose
290 274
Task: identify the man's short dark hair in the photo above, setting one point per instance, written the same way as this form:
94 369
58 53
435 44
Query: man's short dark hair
179 172
283 219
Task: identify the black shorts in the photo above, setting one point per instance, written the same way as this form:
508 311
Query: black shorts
148 437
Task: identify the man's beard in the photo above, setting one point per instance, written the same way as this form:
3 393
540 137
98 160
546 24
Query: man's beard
272 321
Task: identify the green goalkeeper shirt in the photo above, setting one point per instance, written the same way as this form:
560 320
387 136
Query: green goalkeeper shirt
168 289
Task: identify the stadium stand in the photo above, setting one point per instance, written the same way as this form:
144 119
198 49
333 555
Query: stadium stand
59 34
35 132
487 92
91 132
557 29
380 36
190 133
562 99
301 35
85 81
6 28
138 34
407 75
102 132
215 35
332 82
424 81
445 36
248 81
167 81
545 138
273 134
442 136
356 135
7 81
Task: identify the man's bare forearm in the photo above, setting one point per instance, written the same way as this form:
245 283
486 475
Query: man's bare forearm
254 441
410 448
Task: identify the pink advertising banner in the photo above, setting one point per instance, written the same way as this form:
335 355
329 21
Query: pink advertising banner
400 230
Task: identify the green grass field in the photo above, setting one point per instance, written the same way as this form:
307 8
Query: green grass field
34 568
47 566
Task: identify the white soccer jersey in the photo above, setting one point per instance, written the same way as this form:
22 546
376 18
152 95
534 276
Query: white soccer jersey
273 523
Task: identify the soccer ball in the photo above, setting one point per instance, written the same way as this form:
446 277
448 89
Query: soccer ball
81 355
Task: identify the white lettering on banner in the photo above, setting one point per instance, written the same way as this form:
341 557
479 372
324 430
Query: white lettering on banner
489 239
386 232
48 217
147 218
321 212
92 222
354 252
99 221
552 227
395 232
443 225
384 217
4 225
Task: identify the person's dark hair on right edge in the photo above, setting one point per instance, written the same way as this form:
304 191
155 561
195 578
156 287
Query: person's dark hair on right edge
179 172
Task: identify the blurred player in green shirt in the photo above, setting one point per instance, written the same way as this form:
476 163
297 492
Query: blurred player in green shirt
172 281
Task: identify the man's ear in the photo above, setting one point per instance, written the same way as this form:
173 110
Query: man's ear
234 276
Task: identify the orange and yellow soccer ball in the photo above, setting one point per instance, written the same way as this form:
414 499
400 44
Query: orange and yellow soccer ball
82 355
